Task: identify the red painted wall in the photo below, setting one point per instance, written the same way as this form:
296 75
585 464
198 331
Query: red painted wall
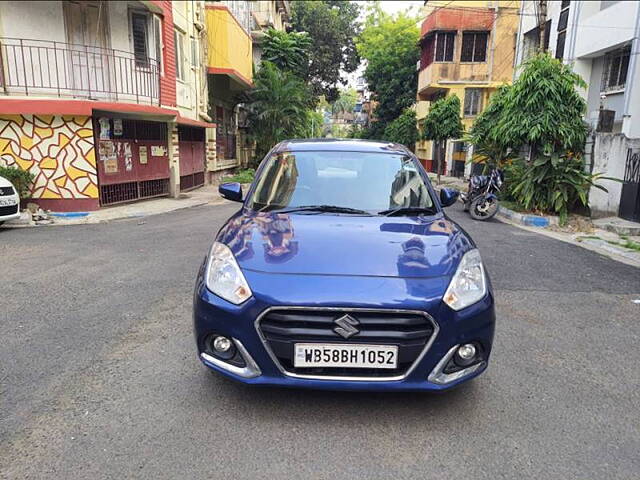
168 80
459 19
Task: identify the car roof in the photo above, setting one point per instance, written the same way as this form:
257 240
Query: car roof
339 145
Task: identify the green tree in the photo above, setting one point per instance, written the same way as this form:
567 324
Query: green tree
442 123
494 151
333 26
346 101
277 108
403 129
543 109
389 44
288 51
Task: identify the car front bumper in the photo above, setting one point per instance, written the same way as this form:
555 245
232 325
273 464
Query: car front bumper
212 314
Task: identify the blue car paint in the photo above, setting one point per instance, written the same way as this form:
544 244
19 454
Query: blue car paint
344 261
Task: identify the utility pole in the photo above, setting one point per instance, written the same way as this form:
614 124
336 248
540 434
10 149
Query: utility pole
542 22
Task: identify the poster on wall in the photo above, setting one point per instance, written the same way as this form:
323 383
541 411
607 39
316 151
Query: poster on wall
117 127
105 150
128 159
143 154
158 151
105 128
111 164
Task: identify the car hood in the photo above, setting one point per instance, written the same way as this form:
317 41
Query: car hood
345 244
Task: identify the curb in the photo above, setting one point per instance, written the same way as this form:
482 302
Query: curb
527 220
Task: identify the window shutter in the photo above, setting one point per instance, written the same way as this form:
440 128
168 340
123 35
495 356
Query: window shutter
467 47
448 56
480 48
139 36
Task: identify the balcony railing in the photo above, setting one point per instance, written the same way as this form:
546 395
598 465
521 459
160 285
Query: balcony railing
48 68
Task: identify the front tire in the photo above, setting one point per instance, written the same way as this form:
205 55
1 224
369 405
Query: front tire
483 208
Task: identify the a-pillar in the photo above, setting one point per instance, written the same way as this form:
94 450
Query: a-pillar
174 160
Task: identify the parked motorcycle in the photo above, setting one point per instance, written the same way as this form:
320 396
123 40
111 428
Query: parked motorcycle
481 201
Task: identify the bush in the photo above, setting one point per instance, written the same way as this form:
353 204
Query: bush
242 176
555 184
21 180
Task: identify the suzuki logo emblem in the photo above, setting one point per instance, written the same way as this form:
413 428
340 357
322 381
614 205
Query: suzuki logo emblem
346 326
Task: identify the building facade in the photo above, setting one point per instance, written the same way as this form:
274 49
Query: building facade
93 102
601 41
468 50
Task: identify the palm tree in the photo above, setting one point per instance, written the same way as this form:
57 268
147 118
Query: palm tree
278 107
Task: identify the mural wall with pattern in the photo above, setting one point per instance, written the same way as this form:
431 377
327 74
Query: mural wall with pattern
58 150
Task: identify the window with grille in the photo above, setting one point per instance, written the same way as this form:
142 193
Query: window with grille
139 36
474 47
444 46
178 37
563 21
616 66
472 101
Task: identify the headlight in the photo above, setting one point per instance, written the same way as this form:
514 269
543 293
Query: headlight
224 277
469 284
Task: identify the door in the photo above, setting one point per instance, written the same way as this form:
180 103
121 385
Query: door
88 54
191 148
630 194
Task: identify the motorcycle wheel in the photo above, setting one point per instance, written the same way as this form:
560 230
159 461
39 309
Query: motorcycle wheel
483 209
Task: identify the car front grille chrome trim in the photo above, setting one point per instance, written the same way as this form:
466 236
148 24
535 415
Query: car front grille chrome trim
284 371
250 370
439 377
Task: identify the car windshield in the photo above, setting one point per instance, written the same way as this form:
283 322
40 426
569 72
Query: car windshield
369 182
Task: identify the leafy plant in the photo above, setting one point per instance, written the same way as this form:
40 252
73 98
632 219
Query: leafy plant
389 44
555 184
495 152
288 51
333 26
242 176
542 109
442 123
21 180
403 129
277 108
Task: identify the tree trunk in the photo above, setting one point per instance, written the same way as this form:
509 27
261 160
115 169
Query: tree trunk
441 153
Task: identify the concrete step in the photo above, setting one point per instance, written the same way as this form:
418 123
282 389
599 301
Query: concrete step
618 225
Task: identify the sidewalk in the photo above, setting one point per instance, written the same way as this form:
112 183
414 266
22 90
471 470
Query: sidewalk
205 195
596 236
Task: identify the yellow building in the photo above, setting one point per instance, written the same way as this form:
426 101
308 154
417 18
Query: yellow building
467 49
230 71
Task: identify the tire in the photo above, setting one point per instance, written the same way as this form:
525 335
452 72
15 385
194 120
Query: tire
482 210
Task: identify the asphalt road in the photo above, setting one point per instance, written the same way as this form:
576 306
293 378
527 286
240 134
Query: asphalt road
99 377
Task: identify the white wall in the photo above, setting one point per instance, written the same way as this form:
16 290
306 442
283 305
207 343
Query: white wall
610 155
32 20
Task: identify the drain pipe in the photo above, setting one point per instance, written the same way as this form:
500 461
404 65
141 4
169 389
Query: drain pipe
635 51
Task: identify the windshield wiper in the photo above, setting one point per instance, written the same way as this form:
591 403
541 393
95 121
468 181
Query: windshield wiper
323 208
407 210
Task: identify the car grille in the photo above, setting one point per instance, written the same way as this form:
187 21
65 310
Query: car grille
6 191
10 210
281 329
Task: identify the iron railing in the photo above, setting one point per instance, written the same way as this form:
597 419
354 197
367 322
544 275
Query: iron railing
38 67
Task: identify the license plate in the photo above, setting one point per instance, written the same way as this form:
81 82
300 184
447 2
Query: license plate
350 356
7 202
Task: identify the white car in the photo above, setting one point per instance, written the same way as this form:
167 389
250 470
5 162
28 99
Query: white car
9 201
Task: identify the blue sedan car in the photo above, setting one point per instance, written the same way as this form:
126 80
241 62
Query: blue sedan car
341 271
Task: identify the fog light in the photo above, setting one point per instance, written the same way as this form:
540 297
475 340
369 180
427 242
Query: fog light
222 344
466 352
465 355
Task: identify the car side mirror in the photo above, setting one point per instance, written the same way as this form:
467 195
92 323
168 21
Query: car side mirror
448 196
231 191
